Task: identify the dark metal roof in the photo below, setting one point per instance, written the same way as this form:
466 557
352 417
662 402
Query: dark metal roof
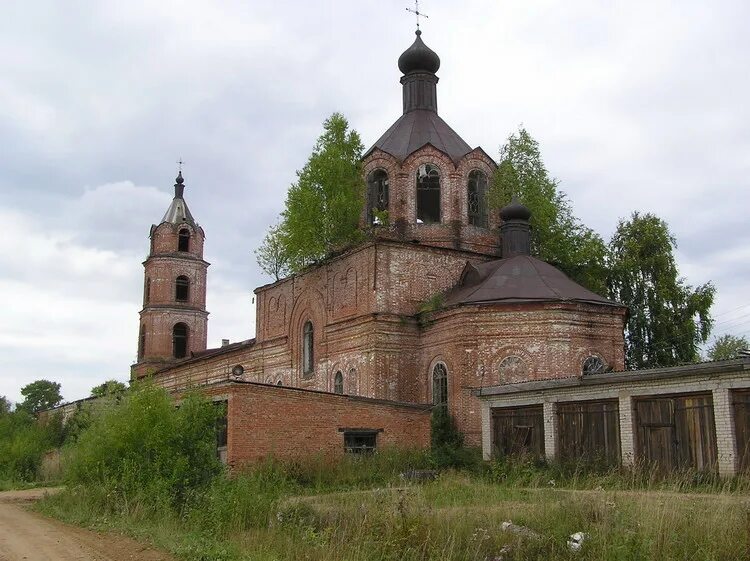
417 128
178 211
520 278
418 57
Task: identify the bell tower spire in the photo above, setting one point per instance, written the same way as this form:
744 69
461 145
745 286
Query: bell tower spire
174 319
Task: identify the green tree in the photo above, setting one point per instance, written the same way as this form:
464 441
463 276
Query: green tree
323 206
271 255
727 346
4 405
39 395
110 387
668 319
557 236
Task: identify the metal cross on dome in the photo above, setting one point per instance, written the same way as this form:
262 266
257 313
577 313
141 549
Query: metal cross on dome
416 12
180 162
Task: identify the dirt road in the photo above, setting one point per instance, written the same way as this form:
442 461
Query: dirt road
26 535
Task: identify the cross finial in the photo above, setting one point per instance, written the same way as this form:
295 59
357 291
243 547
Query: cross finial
416 12
179 163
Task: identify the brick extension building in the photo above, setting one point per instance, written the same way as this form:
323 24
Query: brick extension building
442 298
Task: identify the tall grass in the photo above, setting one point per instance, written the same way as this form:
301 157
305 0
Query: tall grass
23 442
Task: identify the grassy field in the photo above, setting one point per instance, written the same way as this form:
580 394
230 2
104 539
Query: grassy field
282 513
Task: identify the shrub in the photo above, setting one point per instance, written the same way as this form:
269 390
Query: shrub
145 447
23 442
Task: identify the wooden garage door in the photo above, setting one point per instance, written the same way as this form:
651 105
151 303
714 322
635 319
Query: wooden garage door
677 432
742 427
589 431
518 431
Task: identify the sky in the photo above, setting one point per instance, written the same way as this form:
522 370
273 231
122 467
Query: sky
639 105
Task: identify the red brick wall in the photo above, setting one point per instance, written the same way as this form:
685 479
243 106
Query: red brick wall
454 230
282 422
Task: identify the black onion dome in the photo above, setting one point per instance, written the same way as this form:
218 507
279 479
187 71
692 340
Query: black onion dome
418 57
515 211
180 180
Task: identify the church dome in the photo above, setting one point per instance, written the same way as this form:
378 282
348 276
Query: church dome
418 57
515 211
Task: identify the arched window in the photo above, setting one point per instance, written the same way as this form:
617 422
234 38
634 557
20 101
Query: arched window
593 365
142 343
377 193
183 241
428 194
440 384
477 198
179 340
181 288
147 291
512 369
307 348
279 383
338 382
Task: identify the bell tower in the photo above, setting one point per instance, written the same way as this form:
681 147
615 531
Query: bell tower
174 318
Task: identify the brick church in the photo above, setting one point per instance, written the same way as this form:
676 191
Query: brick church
443 298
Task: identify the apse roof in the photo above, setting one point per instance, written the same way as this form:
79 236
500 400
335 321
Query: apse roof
417 128
520 278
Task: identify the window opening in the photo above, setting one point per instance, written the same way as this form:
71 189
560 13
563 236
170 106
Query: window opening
147 291
477 197
183 240
338 382
307 348
360 441
142 342
428 194
179 340
440 385
182 285
221 430
593 365
377 194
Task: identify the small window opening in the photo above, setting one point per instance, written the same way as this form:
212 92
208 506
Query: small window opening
477 198
307 348
428 194
593 365
338 382
182 287
142 343
360 442
279 383
377 194
183 241
147 291
179 340
440 385
222 427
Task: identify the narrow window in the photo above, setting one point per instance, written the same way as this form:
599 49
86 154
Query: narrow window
360 441
279 383
179 340
477 197
183 241
377 194
147 291
440 384
428 194
307 348
338 382
593 365
181 288
142 343
222 429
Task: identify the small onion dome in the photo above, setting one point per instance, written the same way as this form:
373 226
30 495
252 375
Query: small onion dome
515 211
418 57
179 179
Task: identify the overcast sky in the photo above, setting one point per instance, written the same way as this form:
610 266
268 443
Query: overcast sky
640 105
